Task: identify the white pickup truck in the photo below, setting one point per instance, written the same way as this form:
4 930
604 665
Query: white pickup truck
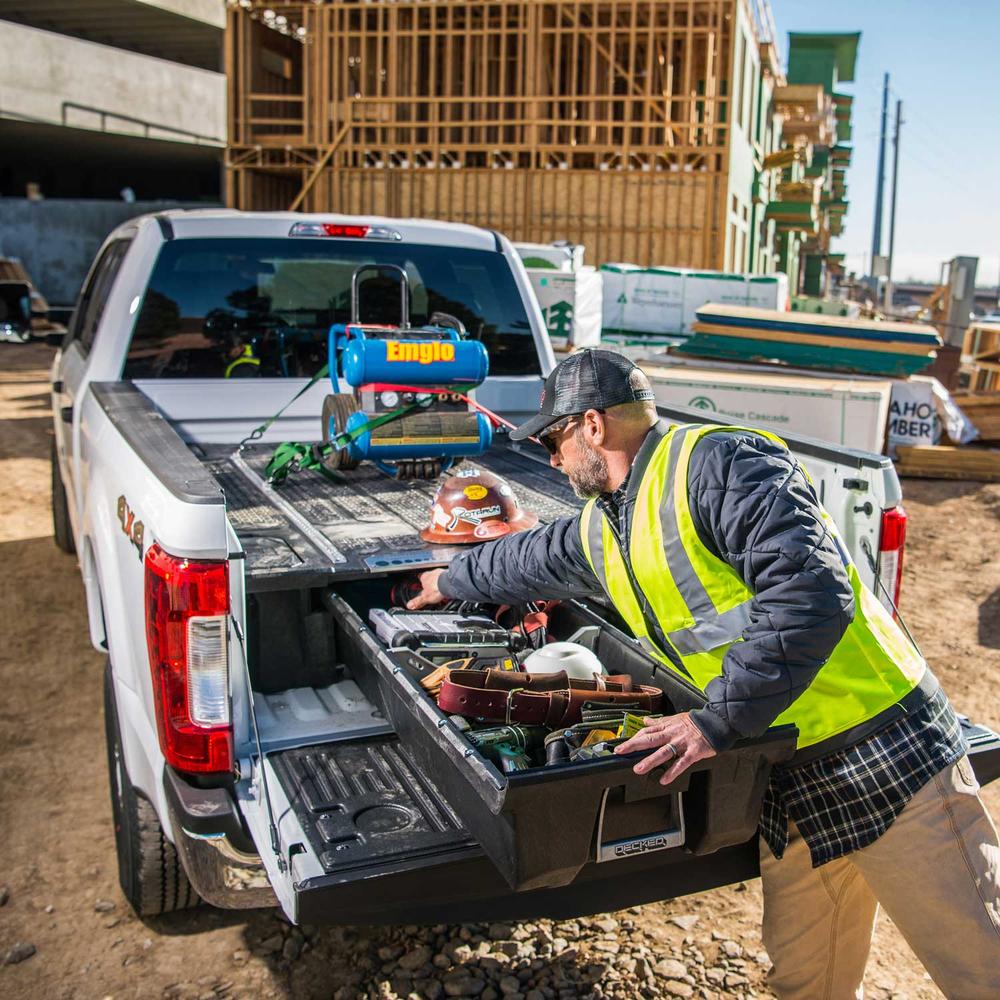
265 747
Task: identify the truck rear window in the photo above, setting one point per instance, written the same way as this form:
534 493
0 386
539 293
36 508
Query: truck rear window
213 301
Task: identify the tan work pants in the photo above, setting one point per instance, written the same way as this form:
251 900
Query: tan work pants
936 871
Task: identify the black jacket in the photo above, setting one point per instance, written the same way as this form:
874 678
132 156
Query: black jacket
754 508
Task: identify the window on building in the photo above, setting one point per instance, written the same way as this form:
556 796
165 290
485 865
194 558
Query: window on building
739 73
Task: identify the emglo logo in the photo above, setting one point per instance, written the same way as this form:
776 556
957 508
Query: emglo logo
423 351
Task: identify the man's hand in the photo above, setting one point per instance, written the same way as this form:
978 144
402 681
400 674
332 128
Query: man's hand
675 741
429 593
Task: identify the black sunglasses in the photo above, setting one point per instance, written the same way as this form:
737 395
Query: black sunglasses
548 438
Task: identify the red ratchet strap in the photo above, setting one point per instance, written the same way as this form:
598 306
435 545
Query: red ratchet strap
494 418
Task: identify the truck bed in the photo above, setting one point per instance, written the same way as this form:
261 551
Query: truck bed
310 530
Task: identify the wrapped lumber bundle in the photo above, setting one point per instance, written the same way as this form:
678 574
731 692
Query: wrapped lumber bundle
812 341
983 409
980 465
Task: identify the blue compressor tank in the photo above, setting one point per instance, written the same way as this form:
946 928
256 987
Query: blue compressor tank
406 361
449 436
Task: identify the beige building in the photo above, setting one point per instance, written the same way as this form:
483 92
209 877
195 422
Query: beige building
636 127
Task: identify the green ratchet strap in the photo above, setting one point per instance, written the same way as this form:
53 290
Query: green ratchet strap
259 432
290 456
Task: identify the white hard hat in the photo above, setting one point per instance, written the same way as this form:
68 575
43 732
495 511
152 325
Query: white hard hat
576 660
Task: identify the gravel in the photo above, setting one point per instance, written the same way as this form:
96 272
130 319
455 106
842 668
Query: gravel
18 953
604 957
685 922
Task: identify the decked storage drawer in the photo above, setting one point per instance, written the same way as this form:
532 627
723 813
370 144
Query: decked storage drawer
541 826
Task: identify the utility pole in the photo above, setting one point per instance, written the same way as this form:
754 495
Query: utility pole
880 182
892 208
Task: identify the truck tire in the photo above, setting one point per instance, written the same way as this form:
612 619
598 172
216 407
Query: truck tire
340 407
61 529
149 870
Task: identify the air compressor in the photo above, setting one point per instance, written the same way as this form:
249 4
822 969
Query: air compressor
410 405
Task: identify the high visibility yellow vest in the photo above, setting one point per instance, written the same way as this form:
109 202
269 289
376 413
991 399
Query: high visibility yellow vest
701 605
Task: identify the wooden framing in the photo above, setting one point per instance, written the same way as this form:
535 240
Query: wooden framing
599 121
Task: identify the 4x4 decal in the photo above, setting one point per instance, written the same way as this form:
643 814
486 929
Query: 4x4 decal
132 528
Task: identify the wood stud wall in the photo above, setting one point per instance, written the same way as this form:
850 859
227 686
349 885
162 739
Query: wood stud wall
598 121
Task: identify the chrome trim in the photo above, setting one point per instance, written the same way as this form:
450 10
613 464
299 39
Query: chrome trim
220 873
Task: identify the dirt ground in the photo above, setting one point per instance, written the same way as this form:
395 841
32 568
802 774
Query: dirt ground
57 857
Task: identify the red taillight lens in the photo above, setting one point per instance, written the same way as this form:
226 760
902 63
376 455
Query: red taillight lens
187 621
351 232
890 554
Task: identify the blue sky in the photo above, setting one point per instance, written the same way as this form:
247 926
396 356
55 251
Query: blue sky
943 59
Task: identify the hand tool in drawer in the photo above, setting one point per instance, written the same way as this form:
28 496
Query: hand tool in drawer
429 630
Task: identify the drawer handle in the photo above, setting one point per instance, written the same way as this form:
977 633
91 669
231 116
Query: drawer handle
614 850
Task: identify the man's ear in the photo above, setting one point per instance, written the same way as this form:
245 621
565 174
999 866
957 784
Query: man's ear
595 428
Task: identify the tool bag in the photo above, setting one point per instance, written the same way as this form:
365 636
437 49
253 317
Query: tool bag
553 700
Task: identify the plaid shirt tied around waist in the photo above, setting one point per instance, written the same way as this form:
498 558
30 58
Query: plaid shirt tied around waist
848 799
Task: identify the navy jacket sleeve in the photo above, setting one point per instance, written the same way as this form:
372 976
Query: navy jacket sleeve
753 507
546 562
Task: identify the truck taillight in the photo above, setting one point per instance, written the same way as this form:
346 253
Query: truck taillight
890 554
345 230
187 633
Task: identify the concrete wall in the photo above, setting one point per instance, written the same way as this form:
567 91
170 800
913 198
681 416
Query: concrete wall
41 71
212 12
57 240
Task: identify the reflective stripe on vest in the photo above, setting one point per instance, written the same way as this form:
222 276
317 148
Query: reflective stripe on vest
703 606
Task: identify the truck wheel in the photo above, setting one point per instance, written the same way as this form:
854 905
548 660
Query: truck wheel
339 407
149 870
60 510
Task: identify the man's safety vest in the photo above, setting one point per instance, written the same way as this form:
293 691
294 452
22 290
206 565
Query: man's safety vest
697 605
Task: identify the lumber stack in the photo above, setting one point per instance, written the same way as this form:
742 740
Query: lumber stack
941 462
743 333
981 349
983 409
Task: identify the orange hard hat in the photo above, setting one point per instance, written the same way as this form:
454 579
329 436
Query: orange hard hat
475 506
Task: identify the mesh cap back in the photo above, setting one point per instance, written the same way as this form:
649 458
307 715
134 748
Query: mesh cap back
592 379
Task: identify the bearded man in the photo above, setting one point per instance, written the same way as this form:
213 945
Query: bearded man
712 546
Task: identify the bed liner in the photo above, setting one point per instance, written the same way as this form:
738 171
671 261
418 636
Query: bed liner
310 531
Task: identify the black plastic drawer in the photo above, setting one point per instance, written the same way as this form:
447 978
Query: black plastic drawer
541 827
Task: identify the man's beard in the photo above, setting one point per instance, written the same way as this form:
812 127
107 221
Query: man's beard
590 476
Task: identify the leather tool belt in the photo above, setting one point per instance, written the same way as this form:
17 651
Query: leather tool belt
539 699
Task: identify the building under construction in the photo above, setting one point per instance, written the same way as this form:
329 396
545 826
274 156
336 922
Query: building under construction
636 127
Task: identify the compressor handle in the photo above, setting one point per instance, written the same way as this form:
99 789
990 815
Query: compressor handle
404 292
